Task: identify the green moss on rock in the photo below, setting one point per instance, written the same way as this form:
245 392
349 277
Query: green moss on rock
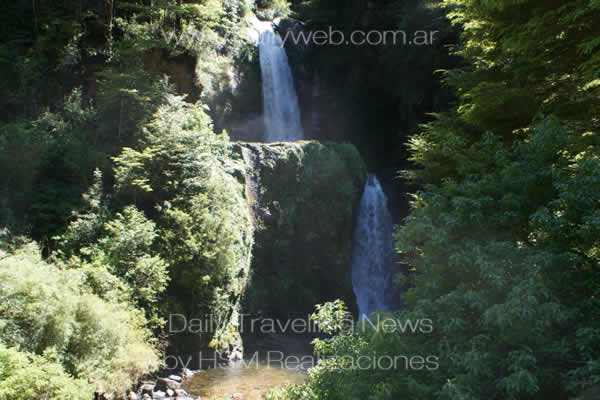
303 197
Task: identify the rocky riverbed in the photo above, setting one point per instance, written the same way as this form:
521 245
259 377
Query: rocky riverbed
164 386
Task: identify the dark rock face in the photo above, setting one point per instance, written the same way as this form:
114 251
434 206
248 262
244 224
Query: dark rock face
286 25
180 70
249 127
303 197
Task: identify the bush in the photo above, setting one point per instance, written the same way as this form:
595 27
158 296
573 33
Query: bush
50 311
25 376
127 251
118 253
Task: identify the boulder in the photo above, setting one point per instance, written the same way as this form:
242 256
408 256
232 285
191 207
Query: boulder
187 373
165 383
236 355
181 393
146 388
159 394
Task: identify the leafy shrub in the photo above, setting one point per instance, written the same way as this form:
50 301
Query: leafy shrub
49 311
116 255
86 227
25 376
126 249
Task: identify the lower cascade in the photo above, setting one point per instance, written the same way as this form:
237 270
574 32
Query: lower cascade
372 250
280 103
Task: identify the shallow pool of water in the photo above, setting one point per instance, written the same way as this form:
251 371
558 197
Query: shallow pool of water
253 381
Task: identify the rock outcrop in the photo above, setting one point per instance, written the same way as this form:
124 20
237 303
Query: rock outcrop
303 197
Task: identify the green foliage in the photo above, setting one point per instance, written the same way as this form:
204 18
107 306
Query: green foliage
86 226
503 324
334 376
502 238
118 253
44 160
126 97
524 55
49 311
180 175
179 147
81 80
25 376
502 257
126 249
270 9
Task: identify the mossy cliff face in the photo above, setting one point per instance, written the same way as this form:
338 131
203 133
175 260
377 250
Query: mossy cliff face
271 231
303 197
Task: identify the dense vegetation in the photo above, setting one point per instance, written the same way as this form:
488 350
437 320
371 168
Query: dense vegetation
125 102
89 106
60 338
502 238
81 80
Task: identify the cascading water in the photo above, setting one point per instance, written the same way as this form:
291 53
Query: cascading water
280 103
372 253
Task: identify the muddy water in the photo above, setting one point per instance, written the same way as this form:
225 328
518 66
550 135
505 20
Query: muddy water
252 381
261 371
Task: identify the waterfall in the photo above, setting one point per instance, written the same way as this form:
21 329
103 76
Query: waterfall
372 250
280 103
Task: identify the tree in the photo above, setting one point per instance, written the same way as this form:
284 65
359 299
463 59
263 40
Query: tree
127 250
178 176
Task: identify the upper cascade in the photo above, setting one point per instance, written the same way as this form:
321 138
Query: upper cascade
280 103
